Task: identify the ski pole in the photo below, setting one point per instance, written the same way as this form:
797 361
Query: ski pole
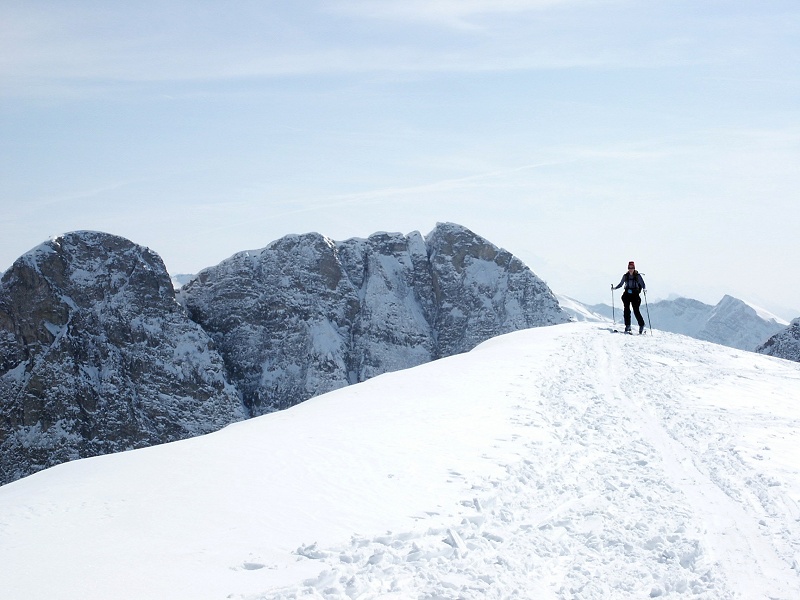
613 310
648 312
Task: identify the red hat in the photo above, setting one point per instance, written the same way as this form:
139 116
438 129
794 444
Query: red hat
631 265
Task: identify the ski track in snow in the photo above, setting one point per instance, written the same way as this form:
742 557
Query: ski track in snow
672 504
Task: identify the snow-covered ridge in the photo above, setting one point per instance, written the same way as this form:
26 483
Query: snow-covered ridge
763 313
556 462
579 311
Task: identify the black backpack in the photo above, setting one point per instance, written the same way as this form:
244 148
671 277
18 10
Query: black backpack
632 282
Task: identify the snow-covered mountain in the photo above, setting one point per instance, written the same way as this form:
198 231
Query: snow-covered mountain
307 315
732 322
96 356
579 311
181 279
785 343
556 462
740 325
681 315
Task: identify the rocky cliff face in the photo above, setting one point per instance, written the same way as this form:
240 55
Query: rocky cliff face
96 356
307 315
784 344
481 291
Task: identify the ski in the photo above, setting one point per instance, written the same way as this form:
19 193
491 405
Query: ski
626 332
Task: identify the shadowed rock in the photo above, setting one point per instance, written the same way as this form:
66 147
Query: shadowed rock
96 356
785 343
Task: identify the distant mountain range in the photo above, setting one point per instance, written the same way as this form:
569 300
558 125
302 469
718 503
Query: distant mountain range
732 322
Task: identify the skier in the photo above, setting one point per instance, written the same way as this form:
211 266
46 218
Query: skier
634 284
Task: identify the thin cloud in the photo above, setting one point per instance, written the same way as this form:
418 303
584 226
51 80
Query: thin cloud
451 13
420 190
55 48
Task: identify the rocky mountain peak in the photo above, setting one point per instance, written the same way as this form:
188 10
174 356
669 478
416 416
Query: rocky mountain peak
735 323
306 315
96 356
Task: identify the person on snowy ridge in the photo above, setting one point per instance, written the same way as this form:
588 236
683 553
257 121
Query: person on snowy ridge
634 284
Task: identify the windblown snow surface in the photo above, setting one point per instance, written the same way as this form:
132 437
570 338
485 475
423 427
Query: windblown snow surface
558 462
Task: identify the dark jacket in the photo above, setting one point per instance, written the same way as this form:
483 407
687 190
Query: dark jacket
633 283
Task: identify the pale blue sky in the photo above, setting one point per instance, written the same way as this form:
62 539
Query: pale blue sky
576 134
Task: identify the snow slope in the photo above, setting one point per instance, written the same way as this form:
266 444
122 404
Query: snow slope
581 312
557 462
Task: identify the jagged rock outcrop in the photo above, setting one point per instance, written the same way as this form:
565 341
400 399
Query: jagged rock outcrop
96 356
482 291
785 343
307 315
